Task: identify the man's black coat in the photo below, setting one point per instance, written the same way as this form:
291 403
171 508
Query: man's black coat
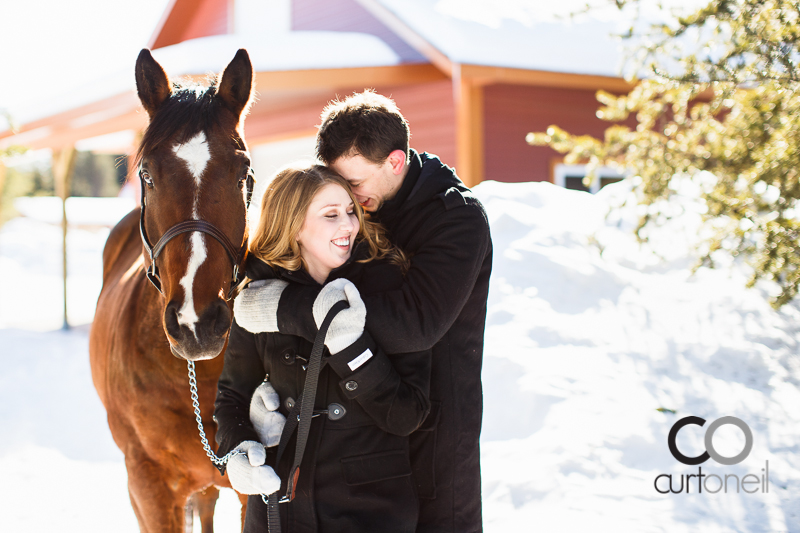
441 305
356 473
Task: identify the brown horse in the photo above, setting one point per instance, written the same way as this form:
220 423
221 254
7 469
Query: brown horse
193 166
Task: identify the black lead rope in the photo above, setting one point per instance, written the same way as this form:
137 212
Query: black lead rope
302 421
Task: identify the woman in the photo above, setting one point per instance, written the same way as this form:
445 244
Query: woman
355 474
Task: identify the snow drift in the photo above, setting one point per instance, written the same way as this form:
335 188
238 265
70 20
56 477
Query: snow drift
592 342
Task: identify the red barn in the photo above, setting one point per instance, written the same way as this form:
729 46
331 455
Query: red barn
471 79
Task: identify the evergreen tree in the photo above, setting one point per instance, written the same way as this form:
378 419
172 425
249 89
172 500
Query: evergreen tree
723 96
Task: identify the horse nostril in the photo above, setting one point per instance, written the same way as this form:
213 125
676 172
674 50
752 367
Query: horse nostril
221 318
171 321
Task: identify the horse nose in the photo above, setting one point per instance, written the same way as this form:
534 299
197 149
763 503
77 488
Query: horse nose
213 324
205 337
219 318
171 323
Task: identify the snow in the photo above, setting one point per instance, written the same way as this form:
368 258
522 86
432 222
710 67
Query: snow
531 34
526 34
289 51
588 334
64 69
587 346
306 50
81 211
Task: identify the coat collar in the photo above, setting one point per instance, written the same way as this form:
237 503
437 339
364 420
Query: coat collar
427 177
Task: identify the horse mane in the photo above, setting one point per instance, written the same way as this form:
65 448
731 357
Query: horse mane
190 109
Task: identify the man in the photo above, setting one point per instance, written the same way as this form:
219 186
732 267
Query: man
434 218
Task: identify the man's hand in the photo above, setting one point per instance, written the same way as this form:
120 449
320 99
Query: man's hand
256 307
248 474
267 421
348 326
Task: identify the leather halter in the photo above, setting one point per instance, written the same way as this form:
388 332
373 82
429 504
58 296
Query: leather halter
236 256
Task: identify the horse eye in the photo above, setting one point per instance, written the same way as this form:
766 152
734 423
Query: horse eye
241 182
147 178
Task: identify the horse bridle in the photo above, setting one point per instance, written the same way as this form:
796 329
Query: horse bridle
193 225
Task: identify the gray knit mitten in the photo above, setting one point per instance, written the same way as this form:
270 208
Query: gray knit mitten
348 326
256 307
247 472
266 419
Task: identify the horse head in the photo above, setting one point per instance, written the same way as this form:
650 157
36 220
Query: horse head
195 175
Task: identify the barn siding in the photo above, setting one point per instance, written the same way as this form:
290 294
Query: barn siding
190 19
282 123
347 15
428 107
431 117
512 111
211 18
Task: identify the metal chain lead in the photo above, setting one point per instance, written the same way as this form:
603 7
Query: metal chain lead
209 452
219 461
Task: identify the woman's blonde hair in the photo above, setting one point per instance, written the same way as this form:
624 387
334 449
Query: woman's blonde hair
283 211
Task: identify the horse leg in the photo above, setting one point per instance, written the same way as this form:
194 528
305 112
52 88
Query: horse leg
188 516
243 501
159 508
205 501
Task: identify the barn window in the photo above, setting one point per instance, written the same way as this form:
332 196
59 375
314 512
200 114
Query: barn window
571 177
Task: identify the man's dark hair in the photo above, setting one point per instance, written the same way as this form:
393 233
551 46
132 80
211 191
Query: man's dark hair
365 124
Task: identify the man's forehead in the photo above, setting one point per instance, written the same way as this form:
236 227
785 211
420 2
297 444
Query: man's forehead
355 160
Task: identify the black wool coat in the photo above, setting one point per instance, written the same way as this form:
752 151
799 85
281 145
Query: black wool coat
441 305
356 473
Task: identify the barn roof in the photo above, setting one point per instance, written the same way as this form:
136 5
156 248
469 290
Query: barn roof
514 34
397 41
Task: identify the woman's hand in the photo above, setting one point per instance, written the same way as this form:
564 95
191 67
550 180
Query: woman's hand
247 472
264 415
348 326
256 307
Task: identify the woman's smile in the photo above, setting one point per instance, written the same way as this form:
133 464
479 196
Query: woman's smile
343 243
329 231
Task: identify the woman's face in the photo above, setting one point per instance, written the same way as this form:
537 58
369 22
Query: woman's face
329 231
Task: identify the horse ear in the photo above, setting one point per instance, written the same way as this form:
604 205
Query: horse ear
152 82
236 82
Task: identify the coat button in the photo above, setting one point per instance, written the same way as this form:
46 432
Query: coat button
336 411
351 385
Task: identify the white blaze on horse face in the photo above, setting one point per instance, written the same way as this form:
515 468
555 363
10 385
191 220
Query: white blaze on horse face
196 155
187 316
